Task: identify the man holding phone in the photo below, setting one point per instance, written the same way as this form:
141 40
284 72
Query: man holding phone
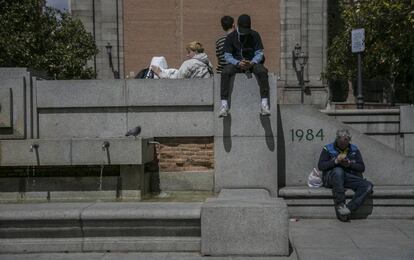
243 51
342 166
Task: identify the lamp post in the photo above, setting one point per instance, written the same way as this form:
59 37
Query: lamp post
111 65
358 46
298 56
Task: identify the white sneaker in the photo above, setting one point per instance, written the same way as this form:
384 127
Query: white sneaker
343 209
264 110
224 111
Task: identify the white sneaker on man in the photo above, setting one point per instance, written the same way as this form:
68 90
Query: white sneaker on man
264 110
224 110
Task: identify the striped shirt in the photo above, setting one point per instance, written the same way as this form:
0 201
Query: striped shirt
220 53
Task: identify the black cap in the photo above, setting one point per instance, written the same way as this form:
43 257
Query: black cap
244 24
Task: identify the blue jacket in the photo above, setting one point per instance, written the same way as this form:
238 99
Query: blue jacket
331 151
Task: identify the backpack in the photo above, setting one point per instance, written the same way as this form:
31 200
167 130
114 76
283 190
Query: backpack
145 74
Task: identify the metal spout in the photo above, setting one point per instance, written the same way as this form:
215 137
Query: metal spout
34 146
105 145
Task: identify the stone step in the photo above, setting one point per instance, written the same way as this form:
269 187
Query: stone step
385 202
100 244
100 226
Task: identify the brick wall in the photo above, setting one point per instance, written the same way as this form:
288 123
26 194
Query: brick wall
164 27
186 154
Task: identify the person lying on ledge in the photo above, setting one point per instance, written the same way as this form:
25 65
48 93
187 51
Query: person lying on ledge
196 66
342 166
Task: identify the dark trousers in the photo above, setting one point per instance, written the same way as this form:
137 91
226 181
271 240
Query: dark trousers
339 180
259 71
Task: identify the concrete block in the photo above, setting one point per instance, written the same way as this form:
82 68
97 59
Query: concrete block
120 151
407 119
244 227
169 92
49 152
173 121
236 166
98 124
80 93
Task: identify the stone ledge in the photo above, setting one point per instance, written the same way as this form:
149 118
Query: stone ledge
379 192
100 211
385 202
97 244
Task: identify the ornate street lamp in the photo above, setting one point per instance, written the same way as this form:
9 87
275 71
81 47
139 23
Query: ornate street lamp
298 56
111 65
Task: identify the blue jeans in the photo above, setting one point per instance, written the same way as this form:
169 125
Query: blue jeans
339 180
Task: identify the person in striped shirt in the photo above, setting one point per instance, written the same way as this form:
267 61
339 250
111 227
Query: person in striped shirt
227 23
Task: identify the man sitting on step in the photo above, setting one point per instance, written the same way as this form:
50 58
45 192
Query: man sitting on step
342 166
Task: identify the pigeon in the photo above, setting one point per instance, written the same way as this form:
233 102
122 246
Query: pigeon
134 131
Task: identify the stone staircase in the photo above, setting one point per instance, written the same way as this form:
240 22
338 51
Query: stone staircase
100 227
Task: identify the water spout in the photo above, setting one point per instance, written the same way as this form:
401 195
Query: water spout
105 145
105 148
35 147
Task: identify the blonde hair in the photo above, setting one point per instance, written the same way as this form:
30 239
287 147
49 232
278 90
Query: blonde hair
195 47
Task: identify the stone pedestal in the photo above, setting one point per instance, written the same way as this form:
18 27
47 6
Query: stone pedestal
244 222
245 141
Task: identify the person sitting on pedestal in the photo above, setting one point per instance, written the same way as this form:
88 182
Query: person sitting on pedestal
243 51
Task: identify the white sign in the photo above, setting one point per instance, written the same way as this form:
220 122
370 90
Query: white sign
358 40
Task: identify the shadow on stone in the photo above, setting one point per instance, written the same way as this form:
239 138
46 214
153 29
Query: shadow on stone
290 248
365 210
227 143
270 141
281 152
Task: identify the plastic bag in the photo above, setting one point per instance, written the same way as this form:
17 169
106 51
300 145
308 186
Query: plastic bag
315 179
160 62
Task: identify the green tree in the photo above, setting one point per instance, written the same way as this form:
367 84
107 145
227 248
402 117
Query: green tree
44 39
389 44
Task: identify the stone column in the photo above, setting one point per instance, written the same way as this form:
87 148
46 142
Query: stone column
245 141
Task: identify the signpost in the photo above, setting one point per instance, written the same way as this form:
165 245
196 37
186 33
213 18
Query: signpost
358 46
